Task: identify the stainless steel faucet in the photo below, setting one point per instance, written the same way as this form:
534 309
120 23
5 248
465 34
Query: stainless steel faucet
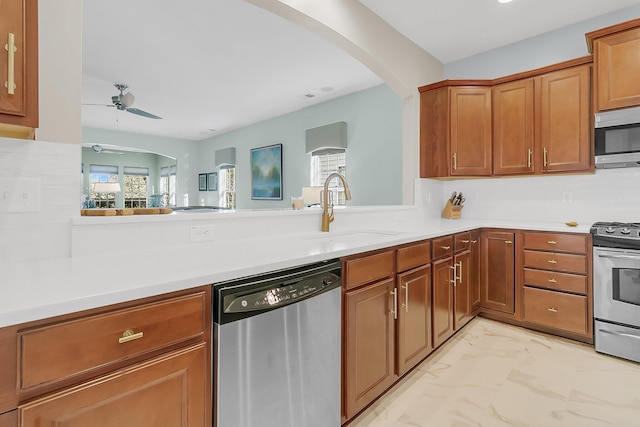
327 203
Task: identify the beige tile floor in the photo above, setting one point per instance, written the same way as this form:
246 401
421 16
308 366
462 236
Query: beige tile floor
492 374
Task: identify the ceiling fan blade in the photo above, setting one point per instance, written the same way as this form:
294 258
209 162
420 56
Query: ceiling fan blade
101 105
143 113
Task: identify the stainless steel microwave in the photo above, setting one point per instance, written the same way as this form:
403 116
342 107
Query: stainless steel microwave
617 138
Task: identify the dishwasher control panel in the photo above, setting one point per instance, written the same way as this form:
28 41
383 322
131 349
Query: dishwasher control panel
279 295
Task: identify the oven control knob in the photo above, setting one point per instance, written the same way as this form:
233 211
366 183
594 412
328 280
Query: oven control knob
625 231
610 229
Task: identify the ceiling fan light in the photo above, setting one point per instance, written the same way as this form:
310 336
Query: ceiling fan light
127 99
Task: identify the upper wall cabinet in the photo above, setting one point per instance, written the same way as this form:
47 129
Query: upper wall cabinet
616 56
18 67
534 122
455 132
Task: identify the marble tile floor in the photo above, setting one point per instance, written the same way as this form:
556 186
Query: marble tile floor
493 374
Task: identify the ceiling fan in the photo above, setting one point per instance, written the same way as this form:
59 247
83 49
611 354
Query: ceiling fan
101 150
124 101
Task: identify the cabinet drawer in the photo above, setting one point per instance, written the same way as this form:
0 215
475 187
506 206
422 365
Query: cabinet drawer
556 262
556 310
556 242
462 241
369 268
413 256
442 247
59 351
556 281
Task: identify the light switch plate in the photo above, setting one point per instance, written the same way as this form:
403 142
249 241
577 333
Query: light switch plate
19 195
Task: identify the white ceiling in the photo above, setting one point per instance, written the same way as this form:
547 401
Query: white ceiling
224 64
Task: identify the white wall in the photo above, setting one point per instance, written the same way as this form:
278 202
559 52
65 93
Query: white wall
60 70
605 195
549 48
374 153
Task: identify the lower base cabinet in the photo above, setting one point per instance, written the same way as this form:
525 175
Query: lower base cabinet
497 281
369 344
9 419
414 317
167 391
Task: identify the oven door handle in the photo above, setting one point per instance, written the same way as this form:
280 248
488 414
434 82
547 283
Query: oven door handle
622 334
636 258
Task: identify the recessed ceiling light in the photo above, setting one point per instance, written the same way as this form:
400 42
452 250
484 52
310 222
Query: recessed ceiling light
326 88
505 1
309 95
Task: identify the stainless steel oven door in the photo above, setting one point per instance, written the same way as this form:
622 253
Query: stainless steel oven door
616 285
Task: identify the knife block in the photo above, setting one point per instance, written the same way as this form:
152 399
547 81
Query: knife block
451 212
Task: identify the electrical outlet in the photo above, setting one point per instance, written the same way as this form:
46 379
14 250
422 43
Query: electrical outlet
201 233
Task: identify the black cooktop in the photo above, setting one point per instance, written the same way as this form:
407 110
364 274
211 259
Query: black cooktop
616 234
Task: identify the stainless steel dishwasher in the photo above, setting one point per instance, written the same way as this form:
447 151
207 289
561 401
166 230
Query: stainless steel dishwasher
277 349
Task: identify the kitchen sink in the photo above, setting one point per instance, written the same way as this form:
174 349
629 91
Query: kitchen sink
352 236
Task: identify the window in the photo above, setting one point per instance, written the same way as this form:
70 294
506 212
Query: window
136 180
227 187
323 164
168 185
102 173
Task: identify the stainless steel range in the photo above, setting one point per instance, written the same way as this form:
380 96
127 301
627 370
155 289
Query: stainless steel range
616 288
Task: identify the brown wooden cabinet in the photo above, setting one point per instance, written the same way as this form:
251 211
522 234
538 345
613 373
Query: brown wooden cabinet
616 57
557 283
455 133
414 304
133 396
112 365
18 68
9 419
497 283
513 128
452 272
538 122
369 344
474 273
564 120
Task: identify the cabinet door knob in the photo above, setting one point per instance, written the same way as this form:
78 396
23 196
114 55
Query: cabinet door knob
129 335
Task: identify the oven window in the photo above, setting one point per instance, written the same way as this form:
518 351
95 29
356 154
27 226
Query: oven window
619 139
626 285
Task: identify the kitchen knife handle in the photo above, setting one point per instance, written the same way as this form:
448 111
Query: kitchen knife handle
455 161
11 49
529 158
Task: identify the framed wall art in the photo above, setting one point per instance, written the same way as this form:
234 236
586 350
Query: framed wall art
202 182
266 173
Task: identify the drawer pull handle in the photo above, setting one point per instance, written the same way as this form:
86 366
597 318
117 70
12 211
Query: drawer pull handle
552 261
474 241
553 310
446 248
455 161
129 335
508 242
552 281
544 156
453 267
465 241
11 49
394 293
551 242
529 158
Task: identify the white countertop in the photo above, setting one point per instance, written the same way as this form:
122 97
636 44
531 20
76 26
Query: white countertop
34 290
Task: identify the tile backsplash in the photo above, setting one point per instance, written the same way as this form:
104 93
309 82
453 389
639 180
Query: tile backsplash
607 195
46 233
